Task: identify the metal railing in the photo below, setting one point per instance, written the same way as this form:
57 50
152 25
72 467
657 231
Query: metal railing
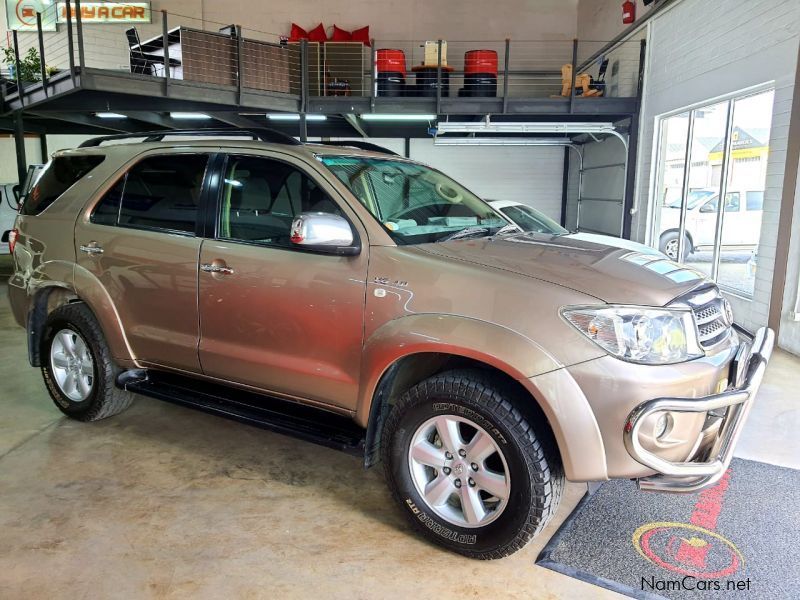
177 47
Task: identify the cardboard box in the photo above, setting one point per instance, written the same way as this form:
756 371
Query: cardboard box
432 54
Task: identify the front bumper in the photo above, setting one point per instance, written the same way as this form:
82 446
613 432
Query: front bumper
727 413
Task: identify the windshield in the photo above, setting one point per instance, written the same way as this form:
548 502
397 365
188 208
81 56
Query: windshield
695 198
531 219
414 203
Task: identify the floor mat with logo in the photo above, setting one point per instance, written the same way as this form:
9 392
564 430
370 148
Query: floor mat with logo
737 539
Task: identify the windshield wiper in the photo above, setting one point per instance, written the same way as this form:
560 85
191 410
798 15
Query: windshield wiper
510 228
462 233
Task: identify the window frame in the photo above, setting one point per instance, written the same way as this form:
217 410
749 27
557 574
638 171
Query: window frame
658 168
215 203
200 220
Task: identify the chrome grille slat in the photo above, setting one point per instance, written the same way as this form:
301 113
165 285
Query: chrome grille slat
708 307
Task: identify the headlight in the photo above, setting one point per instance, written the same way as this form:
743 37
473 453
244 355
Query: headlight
651 336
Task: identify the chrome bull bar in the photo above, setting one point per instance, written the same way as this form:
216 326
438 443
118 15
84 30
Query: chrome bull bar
747 371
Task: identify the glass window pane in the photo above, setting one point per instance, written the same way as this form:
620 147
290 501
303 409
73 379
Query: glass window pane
261 197
741 229
708 142
669 185
160 192
57 177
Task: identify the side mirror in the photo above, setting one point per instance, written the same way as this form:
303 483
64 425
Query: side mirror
16 191
4 239
325 233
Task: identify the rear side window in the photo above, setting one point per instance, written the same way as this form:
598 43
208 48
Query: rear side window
160 192
56 178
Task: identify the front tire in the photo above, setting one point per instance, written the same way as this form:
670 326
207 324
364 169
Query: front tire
467 468
77 366
668 244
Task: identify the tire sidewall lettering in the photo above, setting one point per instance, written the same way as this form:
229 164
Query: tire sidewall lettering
438 528
468 413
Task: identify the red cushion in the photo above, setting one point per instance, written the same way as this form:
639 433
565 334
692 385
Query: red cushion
318 34
298 33
361 35
340 35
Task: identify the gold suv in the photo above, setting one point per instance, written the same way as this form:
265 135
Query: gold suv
370 303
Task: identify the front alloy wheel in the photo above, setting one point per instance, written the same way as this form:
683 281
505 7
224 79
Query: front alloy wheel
468 468
459 471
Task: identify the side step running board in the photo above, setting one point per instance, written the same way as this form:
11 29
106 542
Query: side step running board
281 416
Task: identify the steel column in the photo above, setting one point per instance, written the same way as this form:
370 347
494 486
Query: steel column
574 74
19 144
43 147
565 187
42 66
165 43
723 190
70 43
79 25
687 164
17 70
439 79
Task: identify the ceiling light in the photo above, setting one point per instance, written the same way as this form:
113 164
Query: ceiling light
189 115
294 117
109 115
406 117
487 126
509 141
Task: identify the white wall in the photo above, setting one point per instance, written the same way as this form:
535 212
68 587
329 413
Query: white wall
531 175
789 335
602 19
468 20
528 174
699 51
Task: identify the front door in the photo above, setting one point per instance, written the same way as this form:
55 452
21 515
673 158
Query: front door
276 317
140 242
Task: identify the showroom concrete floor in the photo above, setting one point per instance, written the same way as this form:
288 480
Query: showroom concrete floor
166 502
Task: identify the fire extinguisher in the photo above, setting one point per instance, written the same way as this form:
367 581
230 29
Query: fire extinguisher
628 12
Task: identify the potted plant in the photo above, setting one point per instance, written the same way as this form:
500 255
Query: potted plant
30 66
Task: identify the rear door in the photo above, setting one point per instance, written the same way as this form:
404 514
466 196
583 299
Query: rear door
141 241
280 318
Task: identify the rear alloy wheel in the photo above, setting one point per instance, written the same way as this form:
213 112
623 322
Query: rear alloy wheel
77 366
468 469
72 365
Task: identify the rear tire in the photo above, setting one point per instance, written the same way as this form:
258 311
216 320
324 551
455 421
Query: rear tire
491 447
77 366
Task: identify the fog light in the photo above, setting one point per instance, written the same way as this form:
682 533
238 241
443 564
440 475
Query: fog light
663 426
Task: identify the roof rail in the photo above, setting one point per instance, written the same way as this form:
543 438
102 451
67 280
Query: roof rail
262 134
360 145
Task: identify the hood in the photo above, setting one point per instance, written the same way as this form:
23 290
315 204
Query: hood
609 240
611 274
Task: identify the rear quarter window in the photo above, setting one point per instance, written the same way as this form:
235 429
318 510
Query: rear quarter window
58 176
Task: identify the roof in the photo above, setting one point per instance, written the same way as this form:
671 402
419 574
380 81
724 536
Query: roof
136 143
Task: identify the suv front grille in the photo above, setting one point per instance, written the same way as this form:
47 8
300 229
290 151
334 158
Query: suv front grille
709 308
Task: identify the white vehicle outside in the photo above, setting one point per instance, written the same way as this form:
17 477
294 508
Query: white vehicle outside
530 219
8 212
742 221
